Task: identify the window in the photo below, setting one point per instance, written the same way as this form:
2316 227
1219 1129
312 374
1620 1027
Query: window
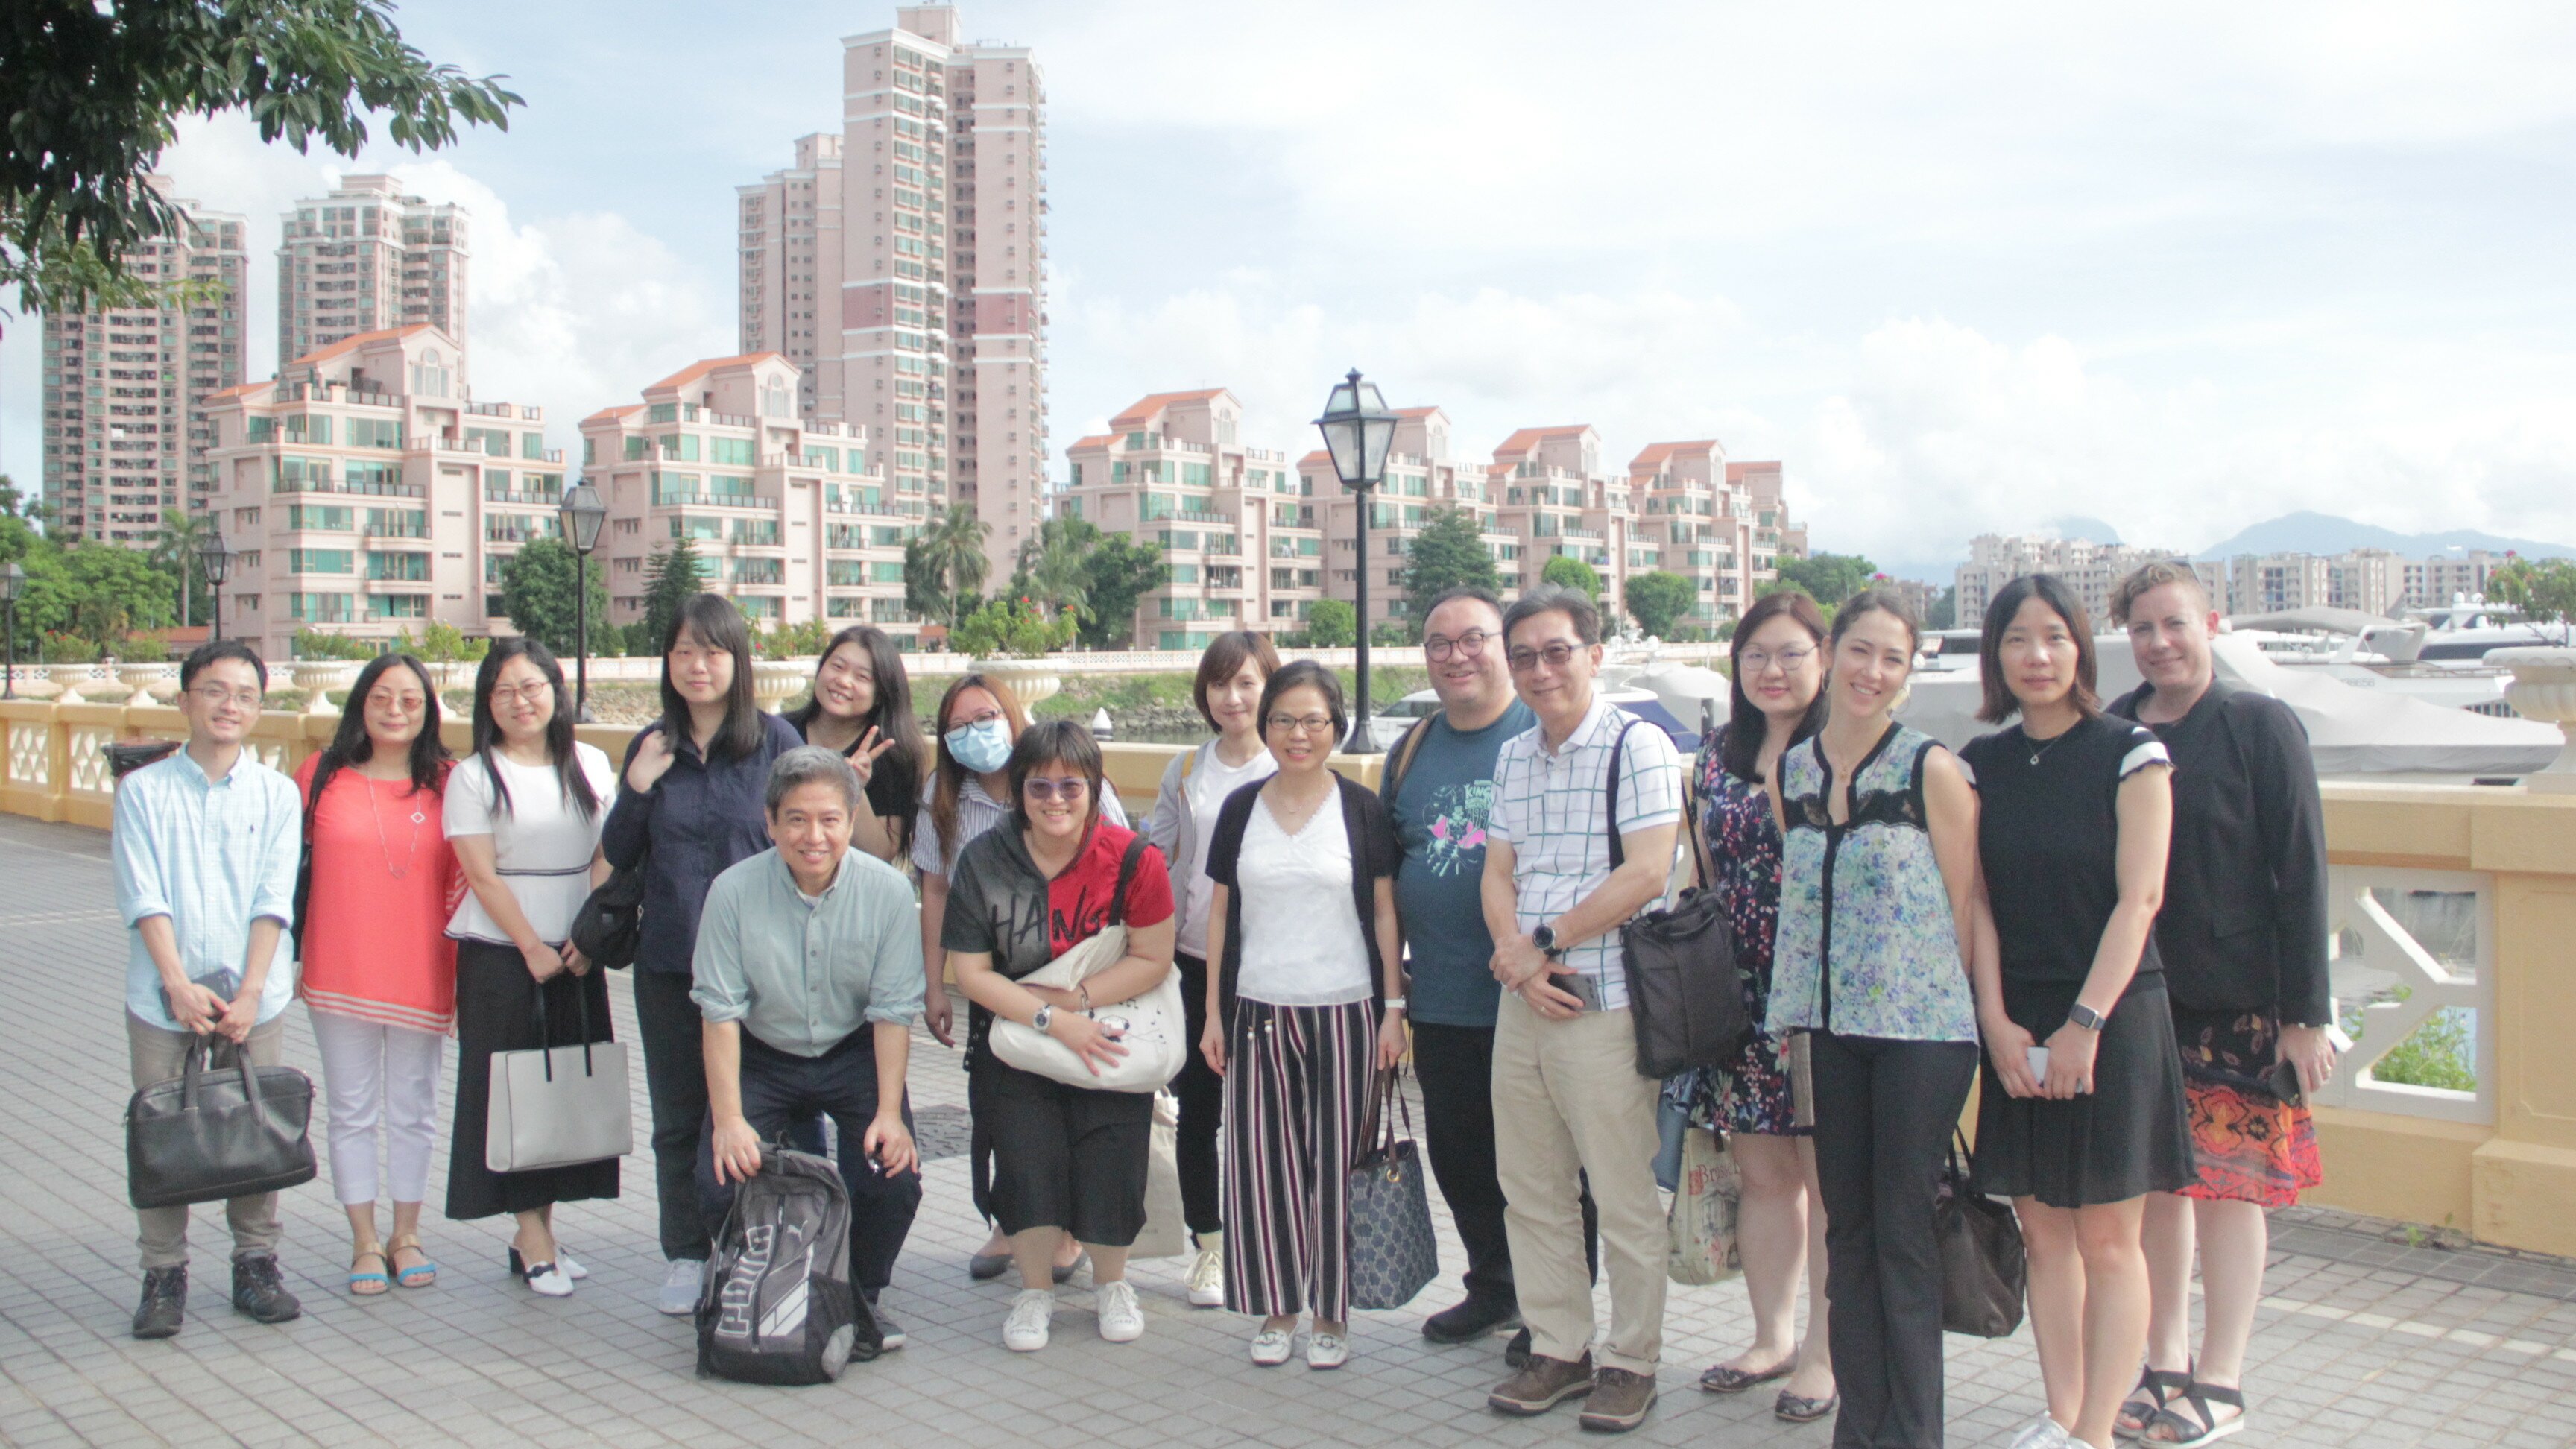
297 475
682 447
316 516
636 444
375 433
398 606
759 571
319 561
709 529
319 608
759 531
532 446
410 567
495 442
736 451
663 413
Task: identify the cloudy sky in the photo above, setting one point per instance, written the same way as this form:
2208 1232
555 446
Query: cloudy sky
2177 267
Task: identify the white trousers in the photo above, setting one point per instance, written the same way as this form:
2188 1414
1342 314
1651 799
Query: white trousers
379 1076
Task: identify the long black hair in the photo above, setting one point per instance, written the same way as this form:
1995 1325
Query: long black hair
559 737
352 745
894 786
1747 727
718 625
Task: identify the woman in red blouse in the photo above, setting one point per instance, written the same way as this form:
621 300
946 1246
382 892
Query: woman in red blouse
379 974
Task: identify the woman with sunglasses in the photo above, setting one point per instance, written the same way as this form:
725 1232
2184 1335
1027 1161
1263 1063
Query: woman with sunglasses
1228 695
379 974
1069 1163
1305 1008
524 813
980 720
861 705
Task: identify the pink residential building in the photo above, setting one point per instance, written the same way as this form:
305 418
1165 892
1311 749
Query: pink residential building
1423 476
789 517
367 495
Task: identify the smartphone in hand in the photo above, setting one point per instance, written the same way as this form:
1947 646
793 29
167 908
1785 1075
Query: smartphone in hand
2039 1064
1579 986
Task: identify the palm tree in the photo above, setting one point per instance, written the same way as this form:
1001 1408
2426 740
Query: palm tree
955 549
1052 562
175 548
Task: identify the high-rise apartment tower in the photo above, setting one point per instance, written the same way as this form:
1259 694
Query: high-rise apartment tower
366 258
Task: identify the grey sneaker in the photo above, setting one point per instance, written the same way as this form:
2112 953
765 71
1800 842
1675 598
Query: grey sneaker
680 1287
165 1302
259 1290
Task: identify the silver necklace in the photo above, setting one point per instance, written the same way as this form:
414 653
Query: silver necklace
2045 748
419 817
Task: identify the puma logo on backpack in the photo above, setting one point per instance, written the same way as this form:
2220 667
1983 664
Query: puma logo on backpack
777 1305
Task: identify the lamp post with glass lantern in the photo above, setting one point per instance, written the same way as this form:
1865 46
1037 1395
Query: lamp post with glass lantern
13 581
1358 429
216 556
581 513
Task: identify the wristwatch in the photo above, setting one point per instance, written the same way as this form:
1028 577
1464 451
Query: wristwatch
1046 1013
2086 1017
1544 938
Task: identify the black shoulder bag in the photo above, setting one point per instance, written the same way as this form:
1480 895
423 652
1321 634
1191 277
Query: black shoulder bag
1685 991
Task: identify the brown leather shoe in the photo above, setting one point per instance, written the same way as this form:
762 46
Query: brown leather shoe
1542 1384
1619 1400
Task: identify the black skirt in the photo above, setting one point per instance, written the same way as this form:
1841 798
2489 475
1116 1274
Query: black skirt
496 1011
2127 1137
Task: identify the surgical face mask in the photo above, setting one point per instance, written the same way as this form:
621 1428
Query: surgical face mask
983 747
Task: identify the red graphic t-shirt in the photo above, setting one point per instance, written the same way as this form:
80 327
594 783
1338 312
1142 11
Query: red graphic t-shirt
1078 899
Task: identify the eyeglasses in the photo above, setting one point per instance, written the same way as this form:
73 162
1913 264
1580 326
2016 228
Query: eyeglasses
1313 724
1758 660
1525 660
985 717
387 699
528 693
215 696
1471 644
1070 792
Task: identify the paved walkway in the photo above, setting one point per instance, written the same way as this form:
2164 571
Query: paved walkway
2366 1339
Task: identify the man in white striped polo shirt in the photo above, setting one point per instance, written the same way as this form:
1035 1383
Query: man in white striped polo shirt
1568 1102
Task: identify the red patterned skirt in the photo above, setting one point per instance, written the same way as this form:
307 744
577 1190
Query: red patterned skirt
2250 1145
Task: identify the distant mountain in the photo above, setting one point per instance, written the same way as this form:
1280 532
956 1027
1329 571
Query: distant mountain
2076 525
2323 533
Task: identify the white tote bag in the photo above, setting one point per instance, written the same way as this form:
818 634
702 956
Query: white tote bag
558 1106
1151 1026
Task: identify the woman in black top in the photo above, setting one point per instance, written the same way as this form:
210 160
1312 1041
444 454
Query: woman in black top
2076 812
862 706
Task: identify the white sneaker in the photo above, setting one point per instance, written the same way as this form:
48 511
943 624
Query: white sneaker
1270 1347
1122 1320
680 1286
1327 1350
1207 1273
2043 1435
1025 1331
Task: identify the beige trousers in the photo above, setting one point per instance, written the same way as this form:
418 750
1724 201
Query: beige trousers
157 1056
1568 1101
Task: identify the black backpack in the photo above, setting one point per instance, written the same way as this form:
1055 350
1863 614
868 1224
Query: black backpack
777 1305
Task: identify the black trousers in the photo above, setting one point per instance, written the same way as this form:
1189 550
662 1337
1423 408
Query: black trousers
1202 1095
675 1079
1455 1067
779 1089
1884 1113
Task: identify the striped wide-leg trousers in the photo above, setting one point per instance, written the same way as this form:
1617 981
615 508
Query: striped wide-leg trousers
1297 1082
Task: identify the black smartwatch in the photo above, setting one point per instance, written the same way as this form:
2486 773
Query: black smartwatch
2086 1017
1544 938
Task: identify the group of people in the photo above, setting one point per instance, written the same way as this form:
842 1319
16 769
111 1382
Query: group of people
2110 917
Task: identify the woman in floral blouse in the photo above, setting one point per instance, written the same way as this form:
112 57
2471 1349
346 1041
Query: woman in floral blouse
1777 702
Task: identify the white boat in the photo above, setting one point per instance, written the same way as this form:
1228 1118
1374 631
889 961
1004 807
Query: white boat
2368 651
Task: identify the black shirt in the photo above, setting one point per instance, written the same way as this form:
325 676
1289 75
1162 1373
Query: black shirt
700 817
2048 838
2244 920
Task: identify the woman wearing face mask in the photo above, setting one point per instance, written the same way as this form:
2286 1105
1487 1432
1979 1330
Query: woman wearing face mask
862 707
692 802
980 720
1777 702
1228 694
1877 894
379 973
1070 1162
2077 812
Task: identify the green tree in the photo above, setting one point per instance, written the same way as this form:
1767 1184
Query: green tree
2545 589
1944 613
1571 573
93 93
96 591
923 596
1828 578
1116 573
1449 553
1395 633
1019 627
1331 624
174 548
672 577
1657 599
1052 565
539 593
953 547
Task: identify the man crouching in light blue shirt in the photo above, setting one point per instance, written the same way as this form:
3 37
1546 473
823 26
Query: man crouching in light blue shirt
809 979
204 851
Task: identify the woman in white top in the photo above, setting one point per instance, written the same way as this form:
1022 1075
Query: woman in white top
1305 1007
1228 694
524 813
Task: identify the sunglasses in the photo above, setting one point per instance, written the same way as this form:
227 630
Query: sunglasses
1069 791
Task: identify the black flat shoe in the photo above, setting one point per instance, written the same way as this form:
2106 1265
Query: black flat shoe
985 1266
1724 1380
1800 1410
1466 1322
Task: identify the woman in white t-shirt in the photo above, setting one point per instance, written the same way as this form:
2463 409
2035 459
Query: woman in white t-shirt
524 813
1228 694
1304 1009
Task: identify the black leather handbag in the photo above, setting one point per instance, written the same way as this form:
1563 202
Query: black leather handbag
1984 1273
1395 1253
233 1131
611 923
1685 991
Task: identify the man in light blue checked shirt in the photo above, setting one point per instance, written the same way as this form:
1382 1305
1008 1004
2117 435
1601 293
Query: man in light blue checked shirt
1568 1103
205 846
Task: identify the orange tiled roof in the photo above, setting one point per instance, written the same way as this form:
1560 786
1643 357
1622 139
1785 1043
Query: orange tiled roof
1525 439
353 342
1155 402
1656 453
616 412
1096 440
1317 456
703 366
1735 471
239 389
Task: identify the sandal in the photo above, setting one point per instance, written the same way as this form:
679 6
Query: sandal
420 1276
358 1280
1721 1379
2134 1417
1799 1409
2207 1429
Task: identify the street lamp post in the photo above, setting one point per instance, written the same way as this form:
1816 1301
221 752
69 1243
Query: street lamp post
1358 429
216 557
13 581
581 513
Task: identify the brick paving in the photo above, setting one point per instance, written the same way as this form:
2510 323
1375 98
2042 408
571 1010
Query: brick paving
2368 1337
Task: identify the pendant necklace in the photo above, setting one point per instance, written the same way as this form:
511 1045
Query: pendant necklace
419 817
2044 748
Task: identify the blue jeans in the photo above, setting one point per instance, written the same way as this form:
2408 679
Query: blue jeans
779 1089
